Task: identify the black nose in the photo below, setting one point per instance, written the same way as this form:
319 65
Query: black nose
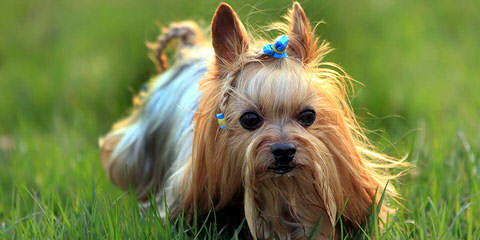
283 152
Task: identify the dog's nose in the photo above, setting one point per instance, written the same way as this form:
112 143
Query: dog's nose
283 152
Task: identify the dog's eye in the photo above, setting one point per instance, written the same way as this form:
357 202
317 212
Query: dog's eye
251 121
306 118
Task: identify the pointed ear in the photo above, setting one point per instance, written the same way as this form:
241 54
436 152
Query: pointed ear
302 39
229 37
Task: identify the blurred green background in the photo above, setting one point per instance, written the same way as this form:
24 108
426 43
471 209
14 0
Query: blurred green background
68 70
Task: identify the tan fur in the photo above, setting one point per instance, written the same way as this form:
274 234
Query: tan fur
335 163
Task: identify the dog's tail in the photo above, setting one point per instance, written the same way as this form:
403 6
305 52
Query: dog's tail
189 34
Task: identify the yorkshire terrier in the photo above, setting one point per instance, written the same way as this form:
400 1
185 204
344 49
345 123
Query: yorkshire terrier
261 128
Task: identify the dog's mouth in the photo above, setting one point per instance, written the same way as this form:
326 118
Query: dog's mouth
281 168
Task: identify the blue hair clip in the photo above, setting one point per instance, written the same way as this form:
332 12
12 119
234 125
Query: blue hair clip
221 121
278 49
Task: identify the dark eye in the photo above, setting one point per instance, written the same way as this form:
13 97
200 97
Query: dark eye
251 121
306 118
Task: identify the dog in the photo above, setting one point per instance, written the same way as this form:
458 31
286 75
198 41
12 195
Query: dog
261 128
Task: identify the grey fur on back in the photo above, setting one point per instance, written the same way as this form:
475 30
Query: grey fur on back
159 142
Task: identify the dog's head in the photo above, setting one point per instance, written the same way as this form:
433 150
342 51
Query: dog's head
292 144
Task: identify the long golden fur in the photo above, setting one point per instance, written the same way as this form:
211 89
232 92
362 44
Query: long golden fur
335 164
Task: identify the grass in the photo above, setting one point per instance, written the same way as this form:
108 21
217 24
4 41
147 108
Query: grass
68 70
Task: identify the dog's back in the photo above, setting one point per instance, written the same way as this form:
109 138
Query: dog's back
140 150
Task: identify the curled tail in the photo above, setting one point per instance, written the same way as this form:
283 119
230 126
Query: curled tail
187 32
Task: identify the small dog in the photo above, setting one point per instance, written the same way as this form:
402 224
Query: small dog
263 130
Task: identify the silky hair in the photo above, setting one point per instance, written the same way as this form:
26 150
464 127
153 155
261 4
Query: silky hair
338 169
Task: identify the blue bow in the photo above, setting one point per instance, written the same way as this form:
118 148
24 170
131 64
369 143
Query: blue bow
278 49
221 121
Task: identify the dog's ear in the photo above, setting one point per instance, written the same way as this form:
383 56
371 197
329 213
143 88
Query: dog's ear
302 42
229 37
